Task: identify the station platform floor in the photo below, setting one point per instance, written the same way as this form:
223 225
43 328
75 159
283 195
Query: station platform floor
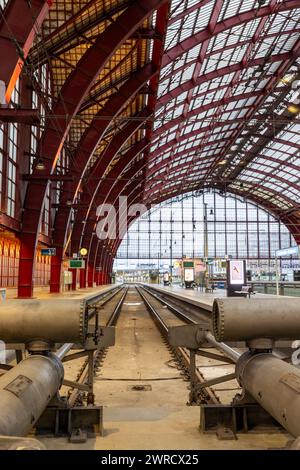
198 297
43 292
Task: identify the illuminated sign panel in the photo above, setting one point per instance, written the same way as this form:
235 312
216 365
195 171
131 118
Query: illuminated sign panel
236 272
48 251
189 274
293 250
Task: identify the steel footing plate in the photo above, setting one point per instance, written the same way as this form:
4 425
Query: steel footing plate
238 419
70 421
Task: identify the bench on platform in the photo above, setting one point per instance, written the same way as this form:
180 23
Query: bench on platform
246 291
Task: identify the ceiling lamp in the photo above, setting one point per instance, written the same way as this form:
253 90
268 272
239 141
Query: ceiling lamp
293 109
40 166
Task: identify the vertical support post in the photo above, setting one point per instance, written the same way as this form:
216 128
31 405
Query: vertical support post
277 275
91 396
74 279
206 247
55 270
82 279
171 248
90 275
193 397
19 355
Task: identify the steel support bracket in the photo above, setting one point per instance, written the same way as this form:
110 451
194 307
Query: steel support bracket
188 336
237 418
216 357
217 380
79 386
103 337
68 421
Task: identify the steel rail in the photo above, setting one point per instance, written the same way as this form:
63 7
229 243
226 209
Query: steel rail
175 310
227 350
182 353
84 372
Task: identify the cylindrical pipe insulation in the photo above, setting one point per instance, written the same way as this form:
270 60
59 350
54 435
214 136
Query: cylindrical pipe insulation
236 319
20 443
49 320
275 385
26 390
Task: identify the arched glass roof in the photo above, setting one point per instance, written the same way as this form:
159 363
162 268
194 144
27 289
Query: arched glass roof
227 113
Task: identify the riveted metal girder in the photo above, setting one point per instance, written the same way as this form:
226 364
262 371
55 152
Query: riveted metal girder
90 140
218 73
72 95
228 23
110 189
18 27
85 151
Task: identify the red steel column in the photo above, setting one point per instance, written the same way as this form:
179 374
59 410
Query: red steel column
90 275
55 273
82 279
74 278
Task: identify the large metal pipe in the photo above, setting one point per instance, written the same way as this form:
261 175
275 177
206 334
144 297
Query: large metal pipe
275 385
26 390
236 319
49 320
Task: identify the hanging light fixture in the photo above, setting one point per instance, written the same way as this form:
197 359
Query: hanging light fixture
40 166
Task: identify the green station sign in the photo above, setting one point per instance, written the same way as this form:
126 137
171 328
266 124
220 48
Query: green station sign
188 264
76 263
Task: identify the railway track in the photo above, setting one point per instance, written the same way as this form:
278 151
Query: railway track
165 314
86 373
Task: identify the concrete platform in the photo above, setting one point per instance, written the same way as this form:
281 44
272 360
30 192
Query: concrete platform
197 297
43 292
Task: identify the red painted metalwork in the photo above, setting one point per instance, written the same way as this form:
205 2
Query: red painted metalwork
110 189
18 26
22 116
157 57
93 185
219 72
213 28
86 149
72 95
82 278
172 54
110 198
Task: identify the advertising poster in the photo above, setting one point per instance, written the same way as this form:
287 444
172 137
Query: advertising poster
237 274
189 274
